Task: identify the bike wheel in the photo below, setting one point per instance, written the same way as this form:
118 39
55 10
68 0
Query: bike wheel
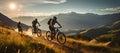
61 38
39 33
48 35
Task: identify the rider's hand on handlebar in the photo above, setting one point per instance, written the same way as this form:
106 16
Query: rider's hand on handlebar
60 26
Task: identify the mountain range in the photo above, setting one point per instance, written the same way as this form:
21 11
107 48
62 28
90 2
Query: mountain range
73 21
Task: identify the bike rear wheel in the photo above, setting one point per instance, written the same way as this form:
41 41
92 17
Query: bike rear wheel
61 38
48 35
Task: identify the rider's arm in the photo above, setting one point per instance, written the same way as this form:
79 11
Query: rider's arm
38 23
59 24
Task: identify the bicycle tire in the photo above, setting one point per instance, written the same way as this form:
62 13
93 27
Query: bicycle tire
39 33
60 34
48 35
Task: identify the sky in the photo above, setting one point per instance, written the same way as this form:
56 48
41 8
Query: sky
13 8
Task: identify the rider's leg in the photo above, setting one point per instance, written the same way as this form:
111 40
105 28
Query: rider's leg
21 32
35 29
52 35
52 32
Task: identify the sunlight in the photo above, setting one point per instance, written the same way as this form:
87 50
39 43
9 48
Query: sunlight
12 6
16 30
29 32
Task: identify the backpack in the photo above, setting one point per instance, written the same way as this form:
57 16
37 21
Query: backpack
33 22
49 21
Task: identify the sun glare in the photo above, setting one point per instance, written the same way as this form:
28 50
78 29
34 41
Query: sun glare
12 6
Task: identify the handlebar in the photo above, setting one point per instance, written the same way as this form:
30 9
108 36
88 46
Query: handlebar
57 27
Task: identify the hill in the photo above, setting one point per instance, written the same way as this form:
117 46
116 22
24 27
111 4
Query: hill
13 42
103 34
8 22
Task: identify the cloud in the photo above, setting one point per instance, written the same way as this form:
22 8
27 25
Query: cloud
39 1
55 1
40 13
37 14
111 9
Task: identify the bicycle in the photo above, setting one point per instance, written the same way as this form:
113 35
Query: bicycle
61 38
20 31
38 32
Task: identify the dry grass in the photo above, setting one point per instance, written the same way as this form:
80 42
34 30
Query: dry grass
92 47
13 42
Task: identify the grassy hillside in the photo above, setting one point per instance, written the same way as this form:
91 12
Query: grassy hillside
93 46
12 42
105 44
98 40
108 42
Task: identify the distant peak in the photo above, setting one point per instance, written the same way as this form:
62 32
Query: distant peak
82 14
91 14
74 13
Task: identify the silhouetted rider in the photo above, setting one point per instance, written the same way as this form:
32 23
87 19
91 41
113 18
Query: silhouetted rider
52 25
19 25
34 23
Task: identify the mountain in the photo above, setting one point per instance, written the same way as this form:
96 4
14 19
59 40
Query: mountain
116 25
75 21
96 32
8 22
109 34
89 20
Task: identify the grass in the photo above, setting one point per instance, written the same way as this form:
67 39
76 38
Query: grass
87 47
12 42
78 36
107 43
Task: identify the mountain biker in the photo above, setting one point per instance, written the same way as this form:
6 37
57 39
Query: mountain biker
51 26
34 23
19 25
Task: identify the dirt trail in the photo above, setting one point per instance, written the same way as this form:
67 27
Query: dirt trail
66 48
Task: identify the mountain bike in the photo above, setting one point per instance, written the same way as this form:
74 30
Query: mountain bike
61 38
20 30
38 32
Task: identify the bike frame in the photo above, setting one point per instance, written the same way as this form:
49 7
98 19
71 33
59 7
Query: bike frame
36 29
57 31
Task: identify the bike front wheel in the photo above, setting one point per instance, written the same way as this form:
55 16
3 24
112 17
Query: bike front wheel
39 33
48 35
61 38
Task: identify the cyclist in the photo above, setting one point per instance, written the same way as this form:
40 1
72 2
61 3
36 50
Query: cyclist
51 24
19 25
34 23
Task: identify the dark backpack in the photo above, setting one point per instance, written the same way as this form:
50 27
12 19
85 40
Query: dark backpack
49 21
33 22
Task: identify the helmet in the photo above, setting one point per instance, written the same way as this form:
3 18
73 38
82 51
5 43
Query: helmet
54 17
36 19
